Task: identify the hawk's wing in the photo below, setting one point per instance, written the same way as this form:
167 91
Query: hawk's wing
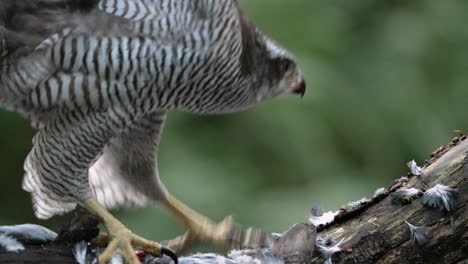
135 42
73 151
126 174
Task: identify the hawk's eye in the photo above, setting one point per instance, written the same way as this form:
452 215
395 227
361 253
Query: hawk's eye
286 65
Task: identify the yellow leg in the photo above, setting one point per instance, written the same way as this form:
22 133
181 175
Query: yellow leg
201 229
121 240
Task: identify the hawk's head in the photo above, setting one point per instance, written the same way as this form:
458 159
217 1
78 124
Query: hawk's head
280 75
272 69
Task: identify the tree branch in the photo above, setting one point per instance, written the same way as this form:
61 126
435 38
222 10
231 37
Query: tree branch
373 232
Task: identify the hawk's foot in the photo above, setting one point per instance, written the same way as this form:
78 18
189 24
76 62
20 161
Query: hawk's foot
202 230
124 243
120 240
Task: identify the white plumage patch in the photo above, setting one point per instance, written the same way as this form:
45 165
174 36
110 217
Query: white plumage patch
10 244
234 257
318 217
441 197
414 168
405 195
358 203
44 207
276 51
117 260
29 233
378 192
327 247
110 189
254 257
411 192
418 233
79 251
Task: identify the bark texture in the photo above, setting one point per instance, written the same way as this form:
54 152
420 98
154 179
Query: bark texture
374 232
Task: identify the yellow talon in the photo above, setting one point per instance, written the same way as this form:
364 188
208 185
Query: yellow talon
201 229
120 240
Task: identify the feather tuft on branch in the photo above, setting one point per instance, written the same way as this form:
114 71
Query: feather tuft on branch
321 218
378 192
10 244
414 168
327 247
29 233
441 197
405 196
358 203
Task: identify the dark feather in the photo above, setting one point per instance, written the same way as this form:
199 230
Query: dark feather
26 23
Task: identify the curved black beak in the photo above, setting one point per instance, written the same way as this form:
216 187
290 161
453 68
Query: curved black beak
299 87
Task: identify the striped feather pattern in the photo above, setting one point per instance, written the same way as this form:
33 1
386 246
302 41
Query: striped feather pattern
99 97
19 77
127 174
57 168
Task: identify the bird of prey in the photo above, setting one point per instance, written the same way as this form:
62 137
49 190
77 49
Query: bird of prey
97 78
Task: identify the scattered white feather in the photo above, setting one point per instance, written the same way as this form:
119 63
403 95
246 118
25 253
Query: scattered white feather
254 257
418 233
324 218
79 251
414 168
29 233
245 256
324 240
117 259
403 179
329 250
378 192
441 197
247 260
410 193
326 247
10 244
358 203
206 258
413 192
234 257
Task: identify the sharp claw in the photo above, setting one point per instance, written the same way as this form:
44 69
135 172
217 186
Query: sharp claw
170 253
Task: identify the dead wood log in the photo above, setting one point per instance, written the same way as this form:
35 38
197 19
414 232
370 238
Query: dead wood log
374 232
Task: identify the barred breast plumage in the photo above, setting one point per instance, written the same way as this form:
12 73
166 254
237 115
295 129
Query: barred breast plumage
98 80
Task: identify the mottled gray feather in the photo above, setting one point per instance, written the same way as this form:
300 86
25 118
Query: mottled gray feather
127 174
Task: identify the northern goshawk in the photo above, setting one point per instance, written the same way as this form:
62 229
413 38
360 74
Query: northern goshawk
97 78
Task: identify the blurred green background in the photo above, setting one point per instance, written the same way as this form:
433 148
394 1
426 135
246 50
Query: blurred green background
387 83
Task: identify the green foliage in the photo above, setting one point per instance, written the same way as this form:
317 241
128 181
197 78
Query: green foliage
386 84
